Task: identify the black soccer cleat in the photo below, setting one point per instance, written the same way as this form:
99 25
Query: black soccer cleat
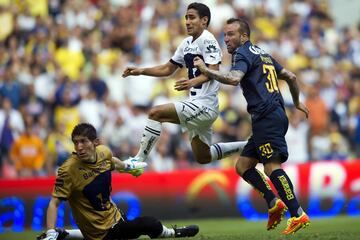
186 231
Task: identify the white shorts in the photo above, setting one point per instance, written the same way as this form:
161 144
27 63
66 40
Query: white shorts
196 118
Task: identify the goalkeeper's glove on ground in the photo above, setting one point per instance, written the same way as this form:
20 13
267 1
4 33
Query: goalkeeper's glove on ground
53 234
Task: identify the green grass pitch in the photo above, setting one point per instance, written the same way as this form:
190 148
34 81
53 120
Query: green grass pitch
340 228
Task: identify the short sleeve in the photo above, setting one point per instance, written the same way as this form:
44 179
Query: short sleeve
278 66
109 158
239 62
63 184
178 57
104 153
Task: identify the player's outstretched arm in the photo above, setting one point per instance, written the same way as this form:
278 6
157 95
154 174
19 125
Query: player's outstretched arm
132 71
157 71
290 79
51 215
52 211
231 78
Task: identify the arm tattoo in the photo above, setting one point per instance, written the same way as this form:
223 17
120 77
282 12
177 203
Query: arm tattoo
231 78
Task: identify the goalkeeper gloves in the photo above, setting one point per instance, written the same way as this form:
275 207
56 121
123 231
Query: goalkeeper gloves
53 234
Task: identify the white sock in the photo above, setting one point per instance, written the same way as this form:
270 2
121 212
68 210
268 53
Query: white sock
223 150
74 234
167 232
150 136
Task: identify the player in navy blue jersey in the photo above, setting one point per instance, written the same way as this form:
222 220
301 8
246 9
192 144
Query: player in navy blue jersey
197 113
258 73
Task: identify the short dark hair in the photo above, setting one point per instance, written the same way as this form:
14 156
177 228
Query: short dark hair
202 10
244 26
85 130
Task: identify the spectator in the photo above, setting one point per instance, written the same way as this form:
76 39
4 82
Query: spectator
11 126
67 113
59 146
28 152
92 110
59 46
297 137
335 152
319 117
11 88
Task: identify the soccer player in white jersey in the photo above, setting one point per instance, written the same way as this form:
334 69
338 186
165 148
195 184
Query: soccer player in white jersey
198 113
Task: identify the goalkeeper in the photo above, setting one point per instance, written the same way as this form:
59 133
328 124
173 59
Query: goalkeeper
84 180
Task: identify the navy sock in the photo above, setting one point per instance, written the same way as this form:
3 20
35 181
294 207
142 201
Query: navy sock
285 190
258 181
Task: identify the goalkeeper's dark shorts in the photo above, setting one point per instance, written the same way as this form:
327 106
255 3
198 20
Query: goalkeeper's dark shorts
126 229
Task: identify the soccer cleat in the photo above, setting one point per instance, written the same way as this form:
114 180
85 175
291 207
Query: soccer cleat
276 214
134 167
296 223
186 231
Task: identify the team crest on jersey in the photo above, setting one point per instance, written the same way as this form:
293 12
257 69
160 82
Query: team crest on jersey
256 50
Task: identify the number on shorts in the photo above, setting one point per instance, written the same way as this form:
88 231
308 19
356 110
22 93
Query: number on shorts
266 150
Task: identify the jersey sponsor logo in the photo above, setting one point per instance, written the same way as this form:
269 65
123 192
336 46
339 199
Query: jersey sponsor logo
101 168
211 49
256 50
211 42
91 173
191 49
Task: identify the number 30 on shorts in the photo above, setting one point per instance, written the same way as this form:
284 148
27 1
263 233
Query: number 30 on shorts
266 150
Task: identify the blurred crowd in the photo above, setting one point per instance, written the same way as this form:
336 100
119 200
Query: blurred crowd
61 63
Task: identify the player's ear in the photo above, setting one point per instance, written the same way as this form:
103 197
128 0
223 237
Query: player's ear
244 37
96 142
205 20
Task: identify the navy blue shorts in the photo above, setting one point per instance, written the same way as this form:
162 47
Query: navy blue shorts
268 139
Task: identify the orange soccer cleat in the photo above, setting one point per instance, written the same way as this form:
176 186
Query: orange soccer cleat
296 223
276 214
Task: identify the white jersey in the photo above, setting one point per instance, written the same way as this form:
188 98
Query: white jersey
207 48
